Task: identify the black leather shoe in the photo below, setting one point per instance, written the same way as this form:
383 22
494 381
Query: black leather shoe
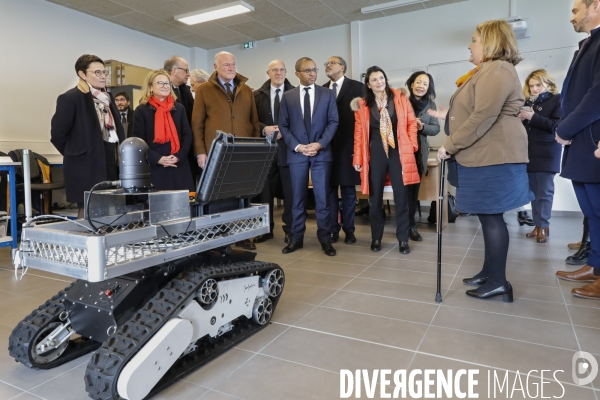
376 246
414 234
475 281
334 237
246 244
403 248
292 247
288 238
505 291
263 238
524 219
581 257
350 238
328 249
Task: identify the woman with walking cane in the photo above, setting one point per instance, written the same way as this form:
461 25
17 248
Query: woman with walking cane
489 143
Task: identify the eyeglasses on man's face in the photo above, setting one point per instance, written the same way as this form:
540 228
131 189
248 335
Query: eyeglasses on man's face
328 63
99 72
162 84
278 70
310 71
120 100
187 70
228 65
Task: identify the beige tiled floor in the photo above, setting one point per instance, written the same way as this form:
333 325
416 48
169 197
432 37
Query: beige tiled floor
364 310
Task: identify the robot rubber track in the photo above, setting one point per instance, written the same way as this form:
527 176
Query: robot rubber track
38 324
108 361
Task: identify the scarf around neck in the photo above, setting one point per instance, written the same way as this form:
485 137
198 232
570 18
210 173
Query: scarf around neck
105 117
164 127
385 123
418 104
465 77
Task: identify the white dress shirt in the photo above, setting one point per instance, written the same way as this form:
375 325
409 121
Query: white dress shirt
311 93
339 82
273 94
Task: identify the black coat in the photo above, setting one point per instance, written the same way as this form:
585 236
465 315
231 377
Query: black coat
129 121
166 178
187 100
342 145
262 98
581 114
544 151
76 134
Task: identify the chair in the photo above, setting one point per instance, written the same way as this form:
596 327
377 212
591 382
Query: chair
41 178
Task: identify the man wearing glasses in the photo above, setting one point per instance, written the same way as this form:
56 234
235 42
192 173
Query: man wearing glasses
308 119
125 112
268 102
342 147
179 74
86 130
223 103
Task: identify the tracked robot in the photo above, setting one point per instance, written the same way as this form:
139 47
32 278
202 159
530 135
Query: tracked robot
159 291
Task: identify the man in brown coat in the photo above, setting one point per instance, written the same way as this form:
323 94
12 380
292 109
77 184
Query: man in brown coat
223 103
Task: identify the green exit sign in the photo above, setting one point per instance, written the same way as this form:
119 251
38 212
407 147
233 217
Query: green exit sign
248 45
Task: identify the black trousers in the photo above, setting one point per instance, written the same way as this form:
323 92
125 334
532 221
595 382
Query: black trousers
413 199
348 208
288 198
379 166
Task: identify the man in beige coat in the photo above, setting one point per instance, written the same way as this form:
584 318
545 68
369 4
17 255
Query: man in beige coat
223 103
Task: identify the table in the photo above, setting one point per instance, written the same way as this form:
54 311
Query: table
11 166
429 190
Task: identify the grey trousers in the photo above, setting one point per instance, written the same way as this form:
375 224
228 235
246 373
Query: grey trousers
542 186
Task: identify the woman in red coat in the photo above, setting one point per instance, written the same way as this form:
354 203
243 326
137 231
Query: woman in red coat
385 141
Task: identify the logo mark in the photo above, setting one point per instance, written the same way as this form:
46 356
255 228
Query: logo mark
584 364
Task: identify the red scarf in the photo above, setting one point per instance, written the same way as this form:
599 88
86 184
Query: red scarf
164 127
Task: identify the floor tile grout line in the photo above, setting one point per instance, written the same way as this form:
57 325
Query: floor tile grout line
571 319
439 306
53 378
450 328
416 352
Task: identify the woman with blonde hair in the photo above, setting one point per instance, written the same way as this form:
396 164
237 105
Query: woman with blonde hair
540 114
163 125
489 143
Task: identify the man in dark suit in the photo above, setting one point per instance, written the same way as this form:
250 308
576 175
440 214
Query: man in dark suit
179 73
343 174
308 119
125 112
579 132
268 102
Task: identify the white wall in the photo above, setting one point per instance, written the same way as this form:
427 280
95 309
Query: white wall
40 43
318 45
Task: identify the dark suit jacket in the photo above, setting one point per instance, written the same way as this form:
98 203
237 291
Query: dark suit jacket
262 98
342 145
170 178
324 123
544 151
129 121
187 99
76 134
580 101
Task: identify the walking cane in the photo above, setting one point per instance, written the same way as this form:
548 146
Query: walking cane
440 210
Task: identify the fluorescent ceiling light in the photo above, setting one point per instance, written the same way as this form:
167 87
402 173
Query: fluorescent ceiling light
391 4
209 14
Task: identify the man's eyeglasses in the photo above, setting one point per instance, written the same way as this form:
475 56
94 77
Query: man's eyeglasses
162 84
310 71
100 72
278 70
227 65
187 70
120 100
332 63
